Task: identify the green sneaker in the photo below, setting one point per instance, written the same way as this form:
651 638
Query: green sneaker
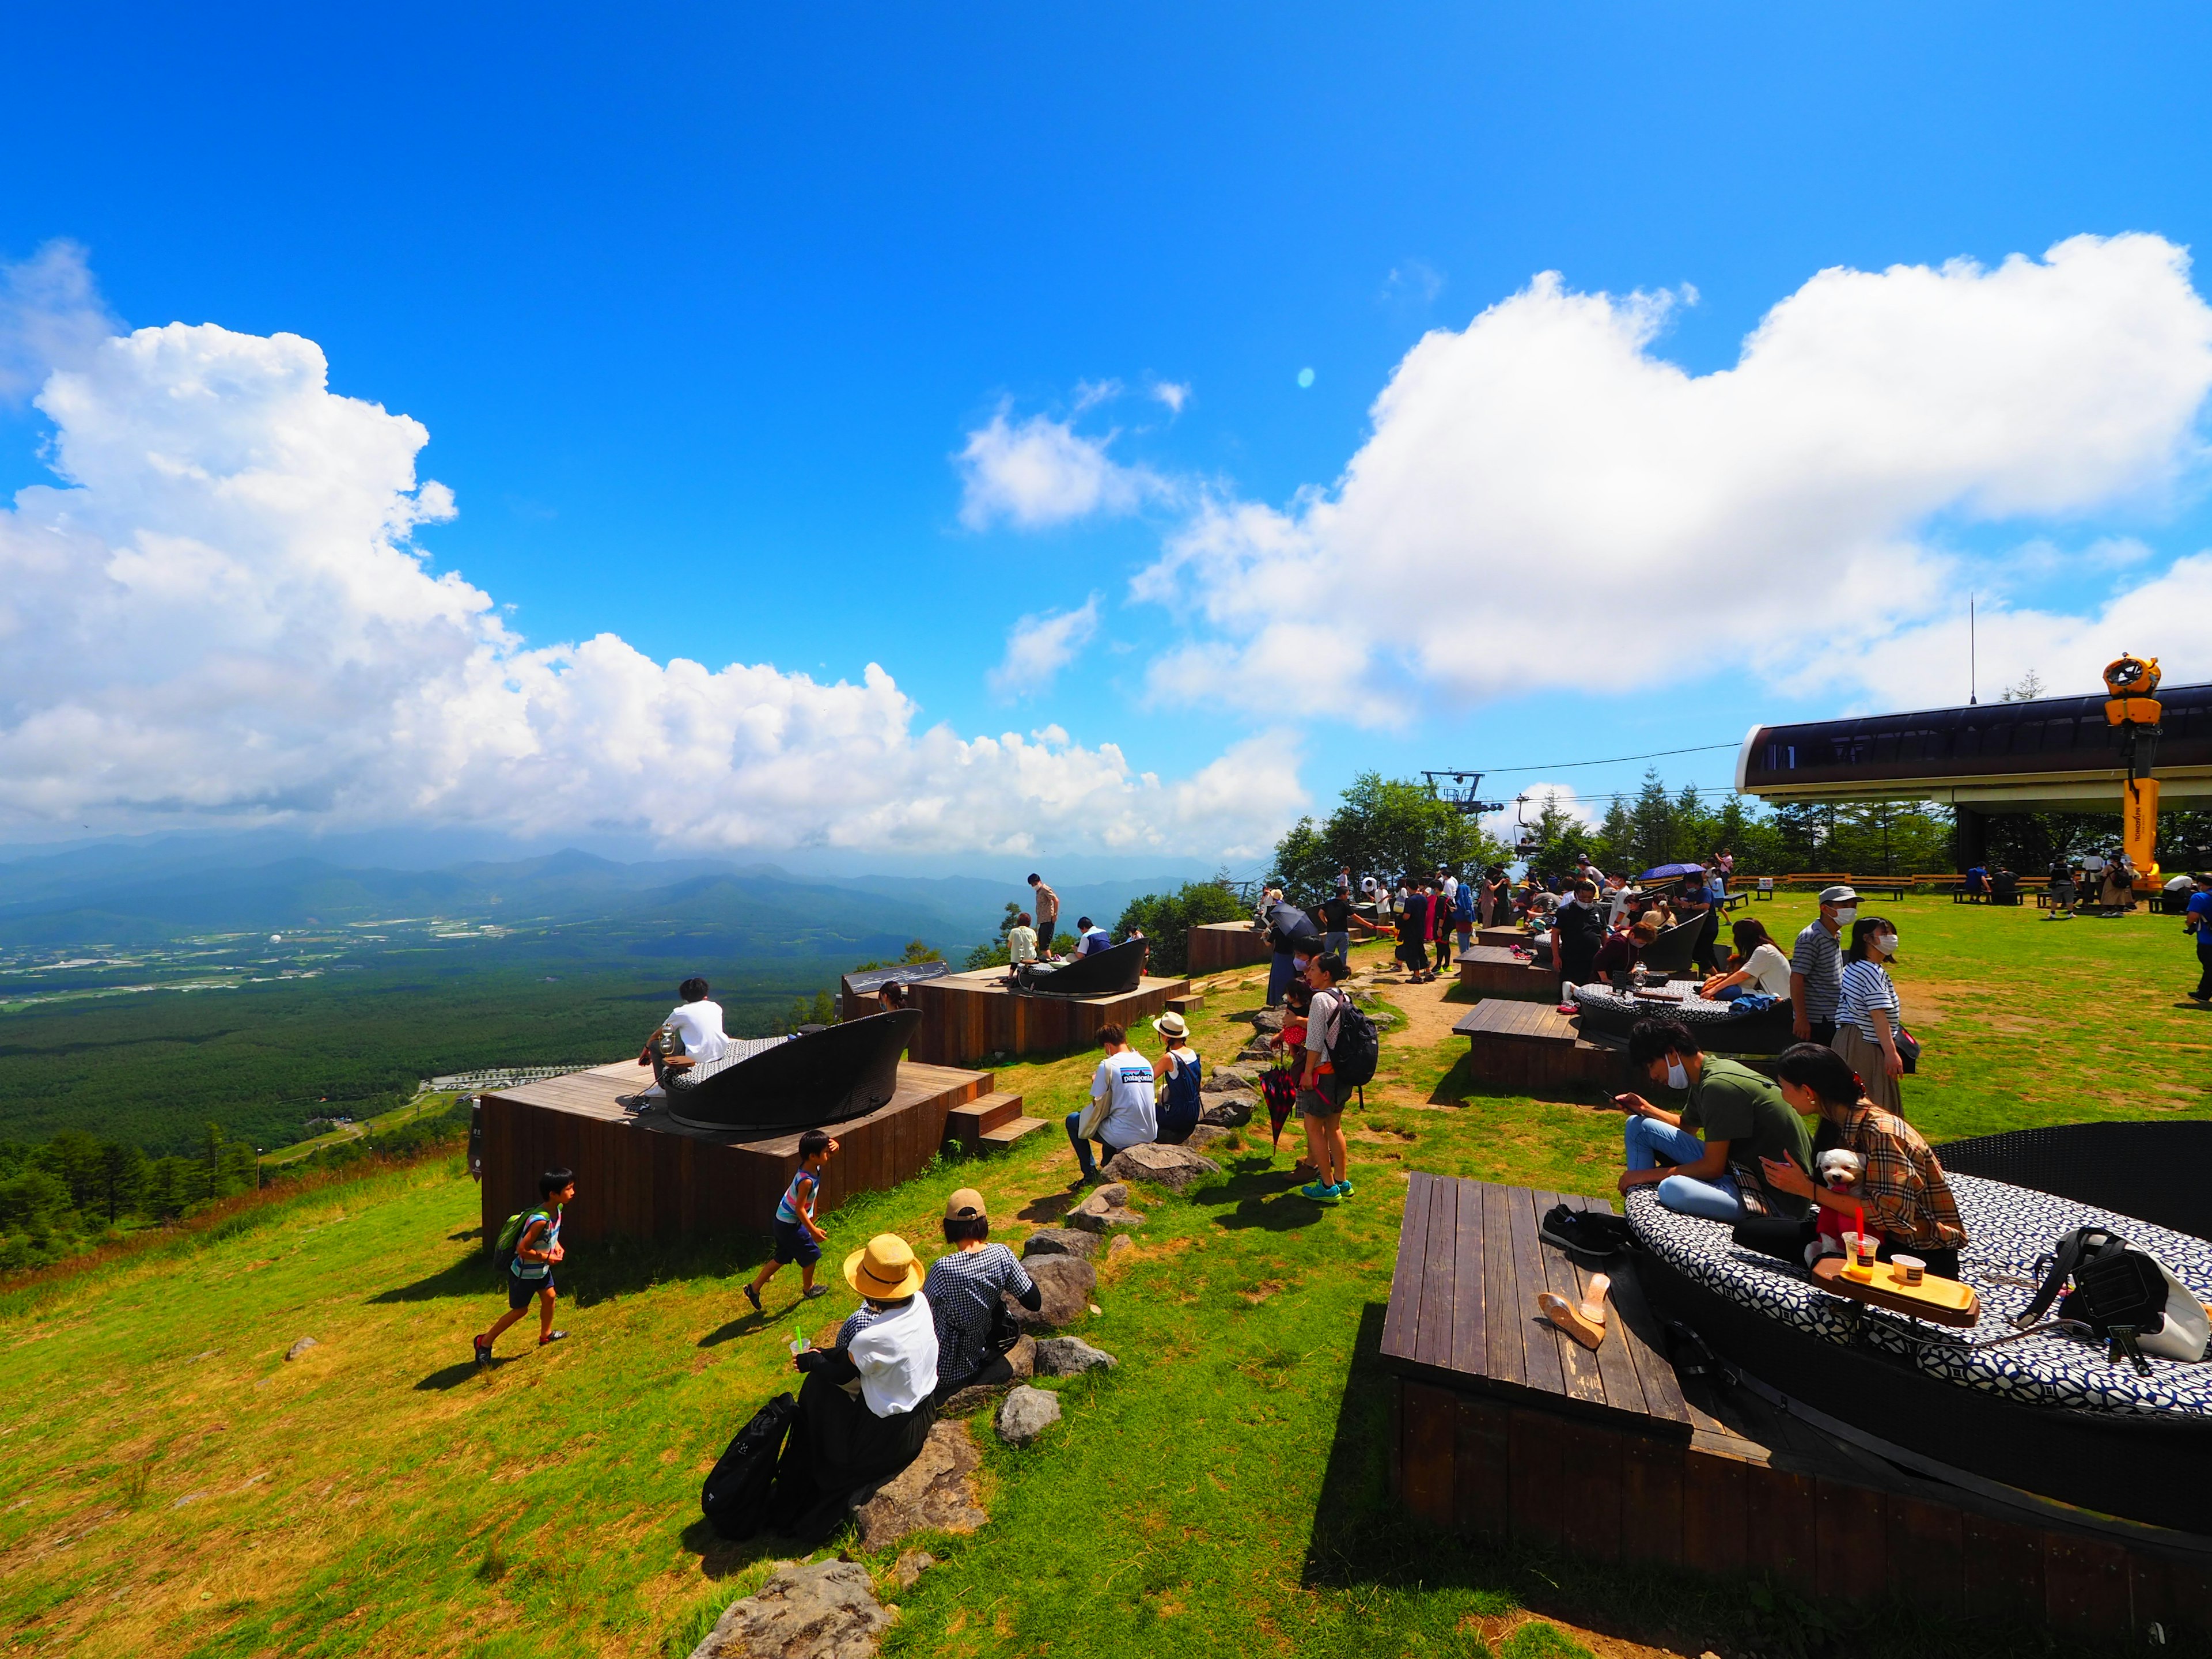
1344 1189
1319 1192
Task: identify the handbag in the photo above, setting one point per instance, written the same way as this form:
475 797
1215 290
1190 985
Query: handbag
1093 1117
2125 1295
1005 1329
1907 1045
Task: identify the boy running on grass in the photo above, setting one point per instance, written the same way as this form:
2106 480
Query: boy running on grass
537 1251
797 1237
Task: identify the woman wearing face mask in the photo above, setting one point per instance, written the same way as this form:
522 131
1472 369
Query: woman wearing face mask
1866 1015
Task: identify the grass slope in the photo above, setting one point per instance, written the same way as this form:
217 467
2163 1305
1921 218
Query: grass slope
169 1483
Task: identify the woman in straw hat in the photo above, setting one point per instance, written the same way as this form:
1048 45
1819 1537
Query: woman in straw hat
1177 1068
964 1290
864 1409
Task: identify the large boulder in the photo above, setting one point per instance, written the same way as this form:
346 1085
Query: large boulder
1103 1207
1175 1168
1071 1356
1027 1413
1060 1241
1064 1285
936 1493
1230 1111
827 1610
1205 1135
1222 1080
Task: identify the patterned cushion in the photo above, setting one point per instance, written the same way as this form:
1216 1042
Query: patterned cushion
2008 1228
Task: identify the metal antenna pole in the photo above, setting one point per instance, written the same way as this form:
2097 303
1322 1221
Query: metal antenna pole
1973 667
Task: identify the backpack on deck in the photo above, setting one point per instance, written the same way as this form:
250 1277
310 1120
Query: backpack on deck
735 1497
2125 1295
1356 1047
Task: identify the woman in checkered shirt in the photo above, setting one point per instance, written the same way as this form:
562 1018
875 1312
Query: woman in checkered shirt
965 1287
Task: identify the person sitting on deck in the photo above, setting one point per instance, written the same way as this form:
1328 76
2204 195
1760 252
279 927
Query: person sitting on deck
1759 964
694 1031
1903 1193
1744 1119
963 1290
1089 937
1021 946
1622 949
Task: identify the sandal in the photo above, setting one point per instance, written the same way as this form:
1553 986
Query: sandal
554 1336
818 1289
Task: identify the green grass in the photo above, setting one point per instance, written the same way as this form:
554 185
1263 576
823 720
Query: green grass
169 1483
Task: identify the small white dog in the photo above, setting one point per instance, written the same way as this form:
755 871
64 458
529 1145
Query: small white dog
1839 1171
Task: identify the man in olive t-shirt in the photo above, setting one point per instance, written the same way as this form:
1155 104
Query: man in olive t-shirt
1705 1159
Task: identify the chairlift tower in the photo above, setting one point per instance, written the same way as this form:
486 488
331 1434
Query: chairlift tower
1462 791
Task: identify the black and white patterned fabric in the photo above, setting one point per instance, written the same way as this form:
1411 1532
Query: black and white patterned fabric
2008 1228
740 1050
963 1287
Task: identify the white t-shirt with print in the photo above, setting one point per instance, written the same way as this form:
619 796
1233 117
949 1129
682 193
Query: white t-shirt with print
1124 1081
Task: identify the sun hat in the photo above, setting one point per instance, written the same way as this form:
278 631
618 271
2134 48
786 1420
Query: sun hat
966 1205
1839 895
1171 1024
883 1269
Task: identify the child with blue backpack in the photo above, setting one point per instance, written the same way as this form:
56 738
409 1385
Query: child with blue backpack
537 1251
798 1238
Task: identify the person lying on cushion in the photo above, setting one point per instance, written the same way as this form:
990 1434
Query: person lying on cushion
1744 1119
1906 1196
1621 949
1089 937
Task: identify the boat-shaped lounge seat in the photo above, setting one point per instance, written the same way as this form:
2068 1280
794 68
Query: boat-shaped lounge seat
1723 1027
2008 1228
823 1076
1102 973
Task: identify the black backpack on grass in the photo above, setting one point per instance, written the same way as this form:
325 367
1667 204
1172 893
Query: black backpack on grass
735 1498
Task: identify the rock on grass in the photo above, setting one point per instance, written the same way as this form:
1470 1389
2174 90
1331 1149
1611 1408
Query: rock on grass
936 1493
1175 1168
1071 1356
1027 1413
1064 1284
1060 1241
825 1610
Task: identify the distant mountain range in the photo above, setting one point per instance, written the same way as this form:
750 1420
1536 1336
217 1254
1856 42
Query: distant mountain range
139 896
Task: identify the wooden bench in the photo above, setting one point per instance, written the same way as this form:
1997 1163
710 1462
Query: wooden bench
1495 971
1531 1045
1502 1426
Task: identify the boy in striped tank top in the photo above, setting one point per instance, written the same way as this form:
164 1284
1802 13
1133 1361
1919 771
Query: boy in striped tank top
797 1237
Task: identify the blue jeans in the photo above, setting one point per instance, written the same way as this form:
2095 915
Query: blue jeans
1337 945
1648 1140
1107 1150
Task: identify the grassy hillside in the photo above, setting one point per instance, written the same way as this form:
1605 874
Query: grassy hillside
171 1485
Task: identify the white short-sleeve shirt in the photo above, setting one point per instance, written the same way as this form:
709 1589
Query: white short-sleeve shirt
897 1356
1124 1081
700 1025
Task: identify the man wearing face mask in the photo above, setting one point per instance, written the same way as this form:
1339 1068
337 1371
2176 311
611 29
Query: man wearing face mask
1740 1116
1816 967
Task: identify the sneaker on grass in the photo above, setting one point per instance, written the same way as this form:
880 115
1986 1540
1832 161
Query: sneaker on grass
1344 1189
1320 1192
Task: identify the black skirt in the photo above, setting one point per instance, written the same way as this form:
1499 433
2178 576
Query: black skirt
838 1447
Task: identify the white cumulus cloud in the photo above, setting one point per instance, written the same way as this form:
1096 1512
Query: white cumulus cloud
1774 515
1043 472
1038 647
217 616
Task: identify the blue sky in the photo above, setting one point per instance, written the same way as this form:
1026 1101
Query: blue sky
699 306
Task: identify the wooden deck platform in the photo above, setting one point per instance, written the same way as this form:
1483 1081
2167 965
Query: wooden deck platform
1216 946
1496 972
967 1017
1501 935
643 1176
1503 1426
1531 1045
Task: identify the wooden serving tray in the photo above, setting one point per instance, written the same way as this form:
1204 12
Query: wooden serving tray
1942 1301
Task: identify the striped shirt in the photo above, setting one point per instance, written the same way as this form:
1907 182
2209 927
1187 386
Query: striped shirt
1867 987
795 1196
962 1288
1820 960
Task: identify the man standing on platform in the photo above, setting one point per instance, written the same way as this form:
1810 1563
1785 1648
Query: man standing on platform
1047 908
1816 967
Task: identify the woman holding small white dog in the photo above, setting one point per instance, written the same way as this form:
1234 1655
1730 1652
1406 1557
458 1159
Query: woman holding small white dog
1902 1193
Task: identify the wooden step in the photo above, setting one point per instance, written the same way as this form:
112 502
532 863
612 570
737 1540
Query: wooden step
1189 1004
1008 1133
967 1123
